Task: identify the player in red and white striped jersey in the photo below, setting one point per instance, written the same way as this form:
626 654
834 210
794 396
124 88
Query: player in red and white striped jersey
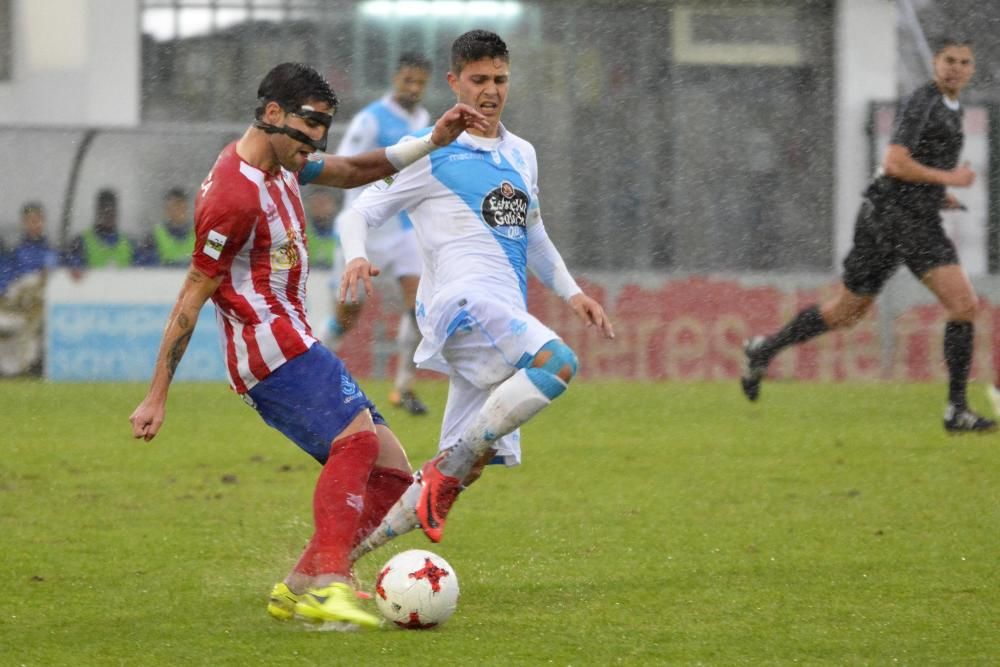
250 232
251 258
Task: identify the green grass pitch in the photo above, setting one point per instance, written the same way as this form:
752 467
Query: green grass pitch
650 524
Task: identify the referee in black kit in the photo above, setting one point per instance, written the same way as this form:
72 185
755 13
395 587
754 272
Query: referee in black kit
900 223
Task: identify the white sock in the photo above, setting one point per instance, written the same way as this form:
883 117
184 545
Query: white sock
512 403
399 520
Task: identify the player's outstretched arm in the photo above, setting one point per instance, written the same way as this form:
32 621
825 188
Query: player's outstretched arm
899 164
352 171
196 290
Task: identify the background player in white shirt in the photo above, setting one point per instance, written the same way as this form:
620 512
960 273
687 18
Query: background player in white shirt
392 246
474 206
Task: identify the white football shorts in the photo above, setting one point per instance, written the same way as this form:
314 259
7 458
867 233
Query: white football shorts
487 342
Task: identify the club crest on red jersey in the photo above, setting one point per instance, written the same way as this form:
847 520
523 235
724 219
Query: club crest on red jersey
286 256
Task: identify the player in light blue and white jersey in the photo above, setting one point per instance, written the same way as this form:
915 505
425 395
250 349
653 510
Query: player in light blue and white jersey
392 245
474 206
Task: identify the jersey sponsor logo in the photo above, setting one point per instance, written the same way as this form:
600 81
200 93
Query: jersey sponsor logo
458 157
214 244
505 210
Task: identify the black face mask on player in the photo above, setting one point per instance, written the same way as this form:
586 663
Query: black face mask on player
308 113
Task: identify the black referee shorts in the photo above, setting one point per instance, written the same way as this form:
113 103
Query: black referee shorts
886 236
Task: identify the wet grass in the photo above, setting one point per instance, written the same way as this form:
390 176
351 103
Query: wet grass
650 524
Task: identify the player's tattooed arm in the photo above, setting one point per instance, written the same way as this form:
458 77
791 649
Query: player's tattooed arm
177 348
147 418
197 289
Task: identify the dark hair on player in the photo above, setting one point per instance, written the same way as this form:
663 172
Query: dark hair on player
477 45
415 60
291 85
942 42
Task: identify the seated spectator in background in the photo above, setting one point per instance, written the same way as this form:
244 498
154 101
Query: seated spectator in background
22 285
321 210
172 239
33 253
102 245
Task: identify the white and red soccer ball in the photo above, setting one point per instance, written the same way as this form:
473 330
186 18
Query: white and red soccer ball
416 589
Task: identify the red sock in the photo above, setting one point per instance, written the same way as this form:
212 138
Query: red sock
338 503
385 486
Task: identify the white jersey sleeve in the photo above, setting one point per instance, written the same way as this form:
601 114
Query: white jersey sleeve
544 260
383 199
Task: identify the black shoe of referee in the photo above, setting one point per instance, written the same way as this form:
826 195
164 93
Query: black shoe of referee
754 368
960 419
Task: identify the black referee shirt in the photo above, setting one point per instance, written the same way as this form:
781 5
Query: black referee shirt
933 134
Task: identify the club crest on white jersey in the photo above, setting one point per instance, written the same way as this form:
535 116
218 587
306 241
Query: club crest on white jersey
505 210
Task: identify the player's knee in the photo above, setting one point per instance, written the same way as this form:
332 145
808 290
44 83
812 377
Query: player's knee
964 311
557 358
552 367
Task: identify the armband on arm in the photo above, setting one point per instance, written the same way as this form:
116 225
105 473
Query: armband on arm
407 152
353 234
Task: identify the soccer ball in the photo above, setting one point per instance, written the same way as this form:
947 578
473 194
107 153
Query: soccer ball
416 590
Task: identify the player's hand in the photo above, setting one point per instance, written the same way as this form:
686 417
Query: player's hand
962 176
147 419
359 270
456 120
591 312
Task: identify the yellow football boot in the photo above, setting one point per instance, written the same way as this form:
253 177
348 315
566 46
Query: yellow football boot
336 602
281 604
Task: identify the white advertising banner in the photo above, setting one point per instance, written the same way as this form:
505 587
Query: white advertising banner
107 324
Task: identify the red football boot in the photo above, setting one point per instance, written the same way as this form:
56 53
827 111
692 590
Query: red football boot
437 494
